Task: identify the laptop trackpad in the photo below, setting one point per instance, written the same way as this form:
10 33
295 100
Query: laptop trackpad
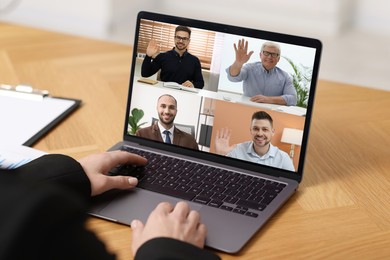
136 204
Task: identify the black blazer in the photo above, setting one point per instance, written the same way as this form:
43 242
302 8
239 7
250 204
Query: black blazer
43 211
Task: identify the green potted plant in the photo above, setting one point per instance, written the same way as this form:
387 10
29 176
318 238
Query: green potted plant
133 123
301 80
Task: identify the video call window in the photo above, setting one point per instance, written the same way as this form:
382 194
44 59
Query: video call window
221 103
202 41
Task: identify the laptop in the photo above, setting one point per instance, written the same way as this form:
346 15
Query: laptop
235 197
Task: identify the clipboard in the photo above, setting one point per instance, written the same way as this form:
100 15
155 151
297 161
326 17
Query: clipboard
27 114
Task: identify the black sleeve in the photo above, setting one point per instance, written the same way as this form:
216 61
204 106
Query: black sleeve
44 221
168 248
56 169
198 76
43 216
149 66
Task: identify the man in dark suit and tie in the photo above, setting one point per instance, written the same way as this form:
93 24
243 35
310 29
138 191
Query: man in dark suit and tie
164 130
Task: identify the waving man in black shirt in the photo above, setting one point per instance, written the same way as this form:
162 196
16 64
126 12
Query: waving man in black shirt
177 65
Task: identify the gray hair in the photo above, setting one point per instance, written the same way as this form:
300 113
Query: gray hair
271 44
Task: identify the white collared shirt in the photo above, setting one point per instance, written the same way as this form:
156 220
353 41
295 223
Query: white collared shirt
162 129
274 157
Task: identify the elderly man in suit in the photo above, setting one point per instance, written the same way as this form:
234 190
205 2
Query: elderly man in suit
164 130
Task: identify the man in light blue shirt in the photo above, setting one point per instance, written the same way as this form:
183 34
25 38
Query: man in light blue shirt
274 157
263 82
259 150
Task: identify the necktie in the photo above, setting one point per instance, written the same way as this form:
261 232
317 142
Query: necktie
167 137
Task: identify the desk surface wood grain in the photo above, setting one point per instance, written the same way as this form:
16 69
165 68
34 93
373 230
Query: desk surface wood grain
342 208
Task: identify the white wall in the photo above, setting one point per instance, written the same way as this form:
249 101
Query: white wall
340 24
373 16
83 17
280 15
111 19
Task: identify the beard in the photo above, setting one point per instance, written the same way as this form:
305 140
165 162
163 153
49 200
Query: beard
168 121
181 47
261 143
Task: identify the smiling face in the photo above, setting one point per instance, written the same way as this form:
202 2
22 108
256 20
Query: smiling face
182 39
261 131
166 109
269 56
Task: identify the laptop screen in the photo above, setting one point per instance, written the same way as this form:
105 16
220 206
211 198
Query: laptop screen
224 92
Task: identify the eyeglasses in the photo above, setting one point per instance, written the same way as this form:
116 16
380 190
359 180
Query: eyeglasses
183 39
272 54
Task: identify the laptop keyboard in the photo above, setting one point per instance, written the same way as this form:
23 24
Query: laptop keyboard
200 183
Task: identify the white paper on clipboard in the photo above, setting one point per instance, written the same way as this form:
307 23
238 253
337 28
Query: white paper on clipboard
25 117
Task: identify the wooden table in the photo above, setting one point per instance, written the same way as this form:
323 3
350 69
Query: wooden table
342 209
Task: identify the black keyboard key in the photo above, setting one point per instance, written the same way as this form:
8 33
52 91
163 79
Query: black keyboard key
255 198
183 187
198 177
235 177
242 195
153 166
247 177
183 180
160 182
195 183
271 183
230 192
239 211
186 174
202 200
149 179
219 196
209 179
171 185
160 175
257 183
251 214
195 190
230 199
221 183
279 188
128 170
171 178
241 207
164 169
246 189
215 203
233 186
206 186
218 189
221 176
251 204
269 187
258 192
207 193
268 197
167 191
228 208
199 170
